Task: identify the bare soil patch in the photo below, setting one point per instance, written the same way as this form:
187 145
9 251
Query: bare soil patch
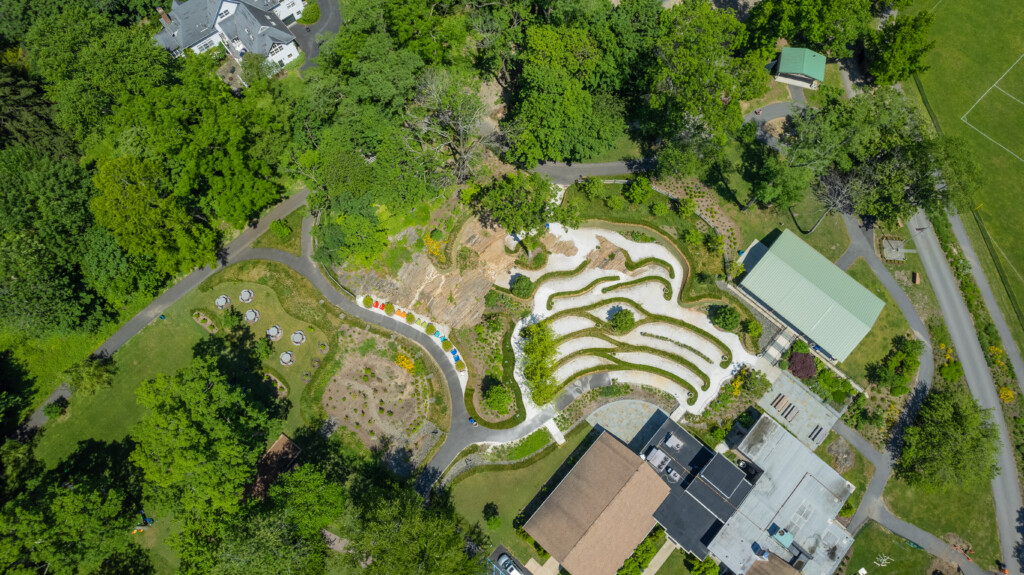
843 458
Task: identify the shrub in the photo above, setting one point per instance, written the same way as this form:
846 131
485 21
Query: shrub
726 317
615 203
783 364
897 369
56 408
280 229
802 365
848 510
389 308
430 329
522 287
754 328
591 187
951 371
659 209
494 523
639 190
460 365
436 234
367 302
800 346
232 319
686 207
310 14
263 348
539 347
692 237
498 398
447 345
713 242
642 555
622 321
410 318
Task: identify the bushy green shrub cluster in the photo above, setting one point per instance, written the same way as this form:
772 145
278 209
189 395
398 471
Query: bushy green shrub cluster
643 554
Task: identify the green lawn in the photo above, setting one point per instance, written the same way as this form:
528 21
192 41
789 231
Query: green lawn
623 148
675 565
777 92
832 78
967 510
511 490
973 49
873 541
889 324
292 243
859 475
165 346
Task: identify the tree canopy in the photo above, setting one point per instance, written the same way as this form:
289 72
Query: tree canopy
953 442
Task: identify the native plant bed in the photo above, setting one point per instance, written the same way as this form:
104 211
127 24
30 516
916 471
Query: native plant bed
734 403
590 401
491 389
849 463
385 391
522 448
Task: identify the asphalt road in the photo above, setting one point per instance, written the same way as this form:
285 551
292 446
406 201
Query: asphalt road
873 507
990 299
1005 487
306 36
862 246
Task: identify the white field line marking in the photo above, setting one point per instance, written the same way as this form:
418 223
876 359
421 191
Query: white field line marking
1007 259
1010 95
936 5
990 89
991 140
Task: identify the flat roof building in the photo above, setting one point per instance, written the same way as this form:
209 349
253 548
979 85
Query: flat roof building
799 410
790 512
812 294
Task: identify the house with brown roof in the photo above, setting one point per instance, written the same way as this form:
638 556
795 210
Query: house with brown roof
600 511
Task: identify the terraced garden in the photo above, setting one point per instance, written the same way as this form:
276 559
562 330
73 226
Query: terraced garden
662 343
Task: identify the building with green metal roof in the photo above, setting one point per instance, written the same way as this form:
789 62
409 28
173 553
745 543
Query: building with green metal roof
814 296
800 67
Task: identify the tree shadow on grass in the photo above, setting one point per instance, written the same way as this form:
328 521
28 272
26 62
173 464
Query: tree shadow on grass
17 388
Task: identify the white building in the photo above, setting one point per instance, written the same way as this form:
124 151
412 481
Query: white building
241 26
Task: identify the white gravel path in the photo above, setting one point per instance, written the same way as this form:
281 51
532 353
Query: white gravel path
571 324
578 364
576 344
650 296
644 358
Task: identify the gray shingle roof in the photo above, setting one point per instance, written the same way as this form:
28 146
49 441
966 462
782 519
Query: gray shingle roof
190 22
255 29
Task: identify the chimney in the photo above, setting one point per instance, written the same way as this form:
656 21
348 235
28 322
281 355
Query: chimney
163 15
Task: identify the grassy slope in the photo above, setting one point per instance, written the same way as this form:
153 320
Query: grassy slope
511 490
291 244
830 238
889 324
859 475
973 48
967 510
777 92
622 148
874 540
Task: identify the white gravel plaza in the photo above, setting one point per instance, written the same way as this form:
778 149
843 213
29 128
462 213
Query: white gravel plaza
650 295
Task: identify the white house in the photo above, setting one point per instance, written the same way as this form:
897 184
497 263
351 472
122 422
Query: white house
241 26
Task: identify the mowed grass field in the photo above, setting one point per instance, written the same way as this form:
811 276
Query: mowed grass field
976 46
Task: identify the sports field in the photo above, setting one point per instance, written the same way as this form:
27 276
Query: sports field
976 88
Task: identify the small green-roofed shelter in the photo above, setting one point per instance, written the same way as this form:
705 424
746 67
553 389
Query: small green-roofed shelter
813 295
800 67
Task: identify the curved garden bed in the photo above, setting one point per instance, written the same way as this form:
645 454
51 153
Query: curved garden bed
581 291
649 261
626 366
667 291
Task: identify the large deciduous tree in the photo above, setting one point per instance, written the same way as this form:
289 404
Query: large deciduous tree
897 51
523 202
134 204
827 26
953 442
697 80
199 440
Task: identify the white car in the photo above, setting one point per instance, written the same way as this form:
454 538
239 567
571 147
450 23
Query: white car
506 563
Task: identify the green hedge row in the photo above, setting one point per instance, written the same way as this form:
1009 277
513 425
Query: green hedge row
583 290
548 276
651 261
625 348
508 366
668 285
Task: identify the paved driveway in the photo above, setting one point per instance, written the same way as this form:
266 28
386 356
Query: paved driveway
306 36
